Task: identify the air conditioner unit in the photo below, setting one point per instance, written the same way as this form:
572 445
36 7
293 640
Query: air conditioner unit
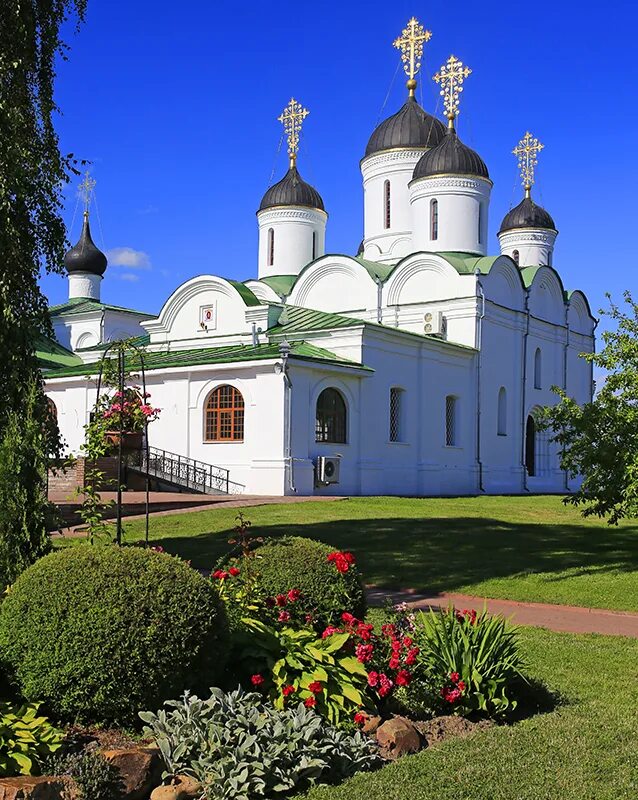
435 324
327 469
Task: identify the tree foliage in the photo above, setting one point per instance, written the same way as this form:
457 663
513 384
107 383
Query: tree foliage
32 174
32 238
599 440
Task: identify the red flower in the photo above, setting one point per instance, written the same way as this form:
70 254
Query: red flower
234 571
373 678
407 641
411 656
385 685
454 677
365 631
461 686
388 629
396 646
349 619
360 718
289 689
281 600
329 631
403 678
284 616
315 687
257 680
451 695
394 663
220 574
310 702
294 594
342 561
364 652
308 618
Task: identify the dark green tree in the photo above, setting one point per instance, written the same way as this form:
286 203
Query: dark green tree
599 440
32 238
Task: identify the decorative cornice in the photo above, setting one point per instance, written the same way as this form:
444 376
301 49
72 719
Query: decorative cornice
517 235
452 182
394 156
274 213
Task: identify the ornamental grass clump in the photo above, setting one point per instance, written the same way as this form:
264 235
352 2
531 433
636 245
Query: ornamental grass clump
97 633
467 663
239 746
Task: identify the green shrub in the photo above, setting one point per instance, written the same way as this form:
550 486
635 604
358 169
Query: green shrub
294 562
237 746
26 739
94 776
466 662
99 632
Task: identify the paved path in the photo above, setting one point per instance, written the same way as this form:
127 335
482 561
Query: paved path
570 619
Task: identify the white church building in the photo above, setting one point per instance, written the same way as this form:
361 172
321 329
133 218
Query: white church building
415 367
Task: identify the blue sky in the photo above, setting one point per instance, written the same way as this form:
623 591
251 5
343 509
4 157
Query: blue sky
176 106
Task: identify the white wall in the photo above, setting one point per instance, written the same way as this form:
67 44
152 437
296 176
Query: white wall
535 246
293 229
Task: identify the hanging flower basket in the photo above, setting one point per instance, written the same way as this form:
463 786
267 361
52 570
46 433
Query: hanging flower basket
131 440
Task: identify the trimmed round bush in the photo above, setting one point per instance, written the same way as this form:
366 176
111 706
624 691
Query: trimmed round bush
294 562
98 633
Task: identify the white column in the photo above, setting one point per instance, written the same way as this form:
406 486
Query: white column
289 238
535 246
84 284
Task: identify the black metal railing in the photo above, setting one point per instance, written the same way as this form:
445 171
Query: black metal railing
182 471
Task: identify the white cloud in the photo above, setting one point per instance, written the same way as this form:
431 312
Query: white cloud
129 276
128 257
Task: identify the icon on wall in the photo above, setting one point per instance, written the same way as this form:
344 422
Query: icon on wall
208 318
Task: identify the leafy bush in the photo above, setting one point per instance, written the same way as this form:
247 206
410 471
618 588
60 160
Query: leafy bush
26 739
100 632
238 746
328 581
466 662
294 664
94 776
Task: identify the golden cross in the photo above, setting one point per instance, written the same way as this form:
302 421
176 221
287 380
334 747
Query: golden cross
292 118
410 43
450 77
527 152
85 190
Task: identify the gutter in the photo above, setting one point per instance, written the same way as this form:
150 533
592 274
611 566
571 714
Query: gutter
565 357
523 392
479 342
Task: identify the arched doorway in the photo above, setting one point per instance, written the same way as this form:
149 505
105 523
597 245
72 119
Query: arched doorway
530 446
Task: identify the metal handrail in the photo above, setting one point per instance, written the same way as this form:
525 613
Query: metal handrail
183 471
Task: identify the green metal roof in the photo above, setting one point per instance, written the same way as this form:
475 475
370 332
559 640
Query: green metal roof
306 319
374 268
280 284
84 305
249 298
138 341
218 355
52 355
469 263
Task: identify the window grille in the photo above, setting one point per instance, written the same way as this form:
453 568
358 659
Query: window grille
331 417
395 415
386 203
314 245
538 369
224 415
516 256
434 220
271 247
450 421
502 412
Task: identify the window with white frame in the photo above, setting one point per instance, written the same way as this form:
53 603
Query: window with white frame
451 421
396 414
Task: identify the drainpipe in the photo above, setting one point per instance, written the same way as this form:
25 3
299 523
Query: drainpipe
479 343
379 283
523 392
565 357
284 352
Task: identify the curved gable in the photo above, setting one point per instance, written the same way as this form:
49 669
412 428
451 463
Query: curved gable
208 304
503 285
547 296
335 283
580 316
263 292
422 277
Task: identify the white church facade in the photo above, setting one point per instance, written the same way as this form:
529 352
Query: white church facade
416 367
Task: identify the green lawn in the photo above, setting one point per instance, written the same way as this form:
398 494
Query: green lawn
521 548
584 750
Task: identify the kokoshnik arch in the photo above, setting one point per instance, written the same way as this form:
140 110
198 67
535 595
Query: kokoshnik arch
416 366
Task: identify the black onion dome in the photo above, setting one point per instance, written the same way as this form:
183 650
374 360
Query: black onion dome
410 127
450 157
85 256
527 215
292 190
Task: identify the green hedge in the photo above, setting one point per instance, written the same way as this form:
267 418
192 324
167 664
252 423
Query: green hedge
98 633
294 562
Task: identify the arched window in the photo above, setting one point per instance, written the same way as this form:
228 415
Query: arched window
501 412
224 415
517 257
549 258
480 223
386 204
271 247
434 220
331 418
451 421
538 369
314 245
396 414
